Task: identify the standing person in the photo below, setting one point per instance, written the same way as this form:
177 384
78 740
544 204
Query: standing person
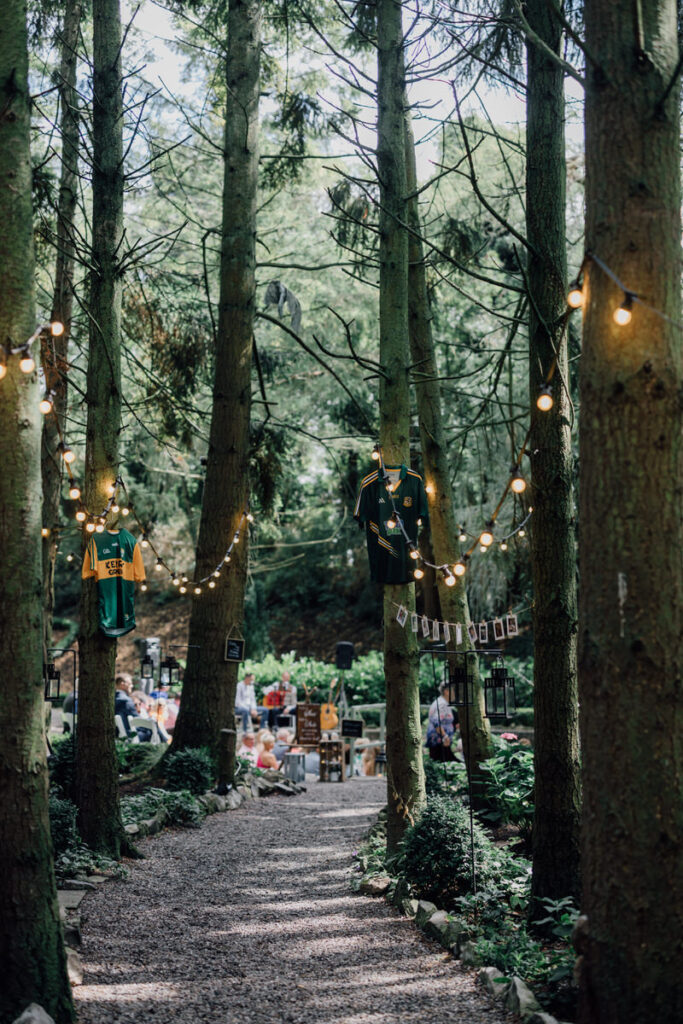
245 703
441 729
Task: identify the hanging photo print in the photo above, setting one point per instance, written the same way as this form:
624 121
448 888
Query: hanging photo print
498 629
472 630
435 630
512 625
483 633
402 615
446 632
458 633
425 626
413 621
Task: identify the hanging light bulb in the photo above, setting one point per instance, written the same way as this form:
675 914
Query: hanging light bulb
143 587
111 490
517 483
575 296
74 492
176 581
212 584
115 508
158 565
622 315
450 580
226 559
414 553
144 543
545 400
27 363
391 523
81 516
236 538
503 546
216 573
522 533
45 532
99 528
69 557
459 568
183 589
375 453
430 489
486 538
67 454
418 573
250 518
463 537
125 510
197 591
56 328
46 404
90 527
184 579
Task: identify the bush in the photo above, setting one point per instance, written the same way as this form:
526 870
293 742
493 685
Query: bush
508 788
437 852
190 769
182 807
61 764
62 823
137 758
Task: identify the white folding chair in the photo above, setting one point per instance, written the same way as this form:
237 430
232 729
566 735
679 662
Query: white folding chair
121 733
145 723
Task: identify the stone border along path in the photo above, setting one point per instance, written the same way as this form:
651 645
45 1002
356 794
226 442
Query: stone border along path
250 920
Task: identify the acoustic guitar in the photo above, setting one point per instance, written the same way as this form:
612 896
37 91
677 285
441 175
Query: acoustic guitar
329 719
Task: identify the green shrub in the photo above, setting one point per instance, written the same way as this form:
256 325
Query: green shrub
437 852
182 807
61 764
508 788
190 769
137 758
62 823
443 777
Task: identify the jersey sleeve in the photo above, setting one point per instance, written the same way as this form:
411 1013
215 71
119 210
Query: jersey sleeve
423 507
88 570
363 510
138 564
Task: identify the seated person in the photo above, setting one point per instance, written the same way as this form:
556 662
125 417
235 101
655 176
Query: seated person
247 748
172 708
123 702
266 757
440 729
245 703
283 743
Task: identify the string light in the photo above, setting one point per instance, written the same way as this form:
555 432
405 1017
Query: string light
27 363
74 492
69 557
522 533
414 553
391 523
430 489
176 581
486 538
67 454
183 590
545 400
503 546
184 579
90 526
46 404
450 580
418 573
144 543
575 296
115 509
3 361
226 559
483 549
158 566
460 568
56 328
99 528
197 590
45 532
623 314
143 587
81 515
517 483
212 584
462 538
375 453
125 510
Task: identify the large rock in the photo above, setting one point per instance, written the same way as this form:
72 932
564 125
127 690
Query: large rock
409 907
520 999
76 883
468 954
490 979
376 885
401 892
445 929
34 1014
72 931
425 909
233 799
74 967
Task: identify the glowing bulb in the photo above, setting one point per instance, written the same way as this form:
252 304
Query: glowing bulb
45 406
69 557
45 532
375 454
545 401
183 590
144 543
56 328
486 539
236 538
575 296
68 455
459 568
90 527
226 559
216 573
462 538
430 489
418 573
450 580
622 315
197 590
125 510
483 549
3 370
391 524
143 587
522 533
74 493
414 553
115 508
27 363
212 584
184 579
176 581
158 565
503 546
518 483
100 528
80 515
111 490
250 518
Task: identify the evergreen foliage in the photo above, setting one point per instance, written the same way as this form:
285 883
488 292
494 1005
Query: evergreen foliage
191 769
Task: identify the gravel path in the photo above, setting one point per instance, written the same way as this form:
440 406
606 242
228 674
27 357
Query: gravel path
250 920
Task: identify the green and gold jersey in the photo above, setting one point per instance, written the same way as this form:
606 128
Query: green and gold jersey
388 551
114 559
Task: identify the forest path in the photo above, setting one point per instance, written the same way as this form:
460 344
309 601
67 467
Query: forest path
250 920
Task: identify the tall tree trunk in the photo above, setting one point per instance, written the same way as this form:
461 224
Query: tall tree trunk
474 726
55 349
405 772
97 769
630 626
210 681
34 965
557 795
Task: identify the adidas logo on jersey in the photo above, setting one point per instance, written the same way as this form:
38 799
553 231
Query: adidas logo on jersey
381 501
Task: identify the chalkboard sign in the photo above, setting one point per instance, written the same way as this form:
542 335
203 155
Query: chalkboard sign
234 649
308 724
352 727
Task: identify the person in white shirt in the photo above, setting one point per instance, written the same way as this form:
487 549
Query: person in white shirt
245 703
248 748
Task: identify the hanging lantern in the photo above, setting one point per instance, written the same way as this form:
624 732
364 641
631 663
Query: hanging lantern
52 681
165 672
499 695
175 670
146 668
459 684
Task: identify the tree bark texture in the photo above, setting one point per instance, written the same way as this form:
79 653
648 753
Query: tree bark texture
54 350
557 794
630 633
97 767
475 729
405 772
210 681
34 964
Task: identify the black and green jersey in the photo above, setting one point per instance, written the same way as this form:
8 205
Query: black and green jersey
388 549
115 561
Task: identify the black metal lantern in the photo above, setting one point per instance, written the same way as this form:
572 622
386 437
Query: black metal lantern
175 670
499 695
52 682
165 672
146 667
458 681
